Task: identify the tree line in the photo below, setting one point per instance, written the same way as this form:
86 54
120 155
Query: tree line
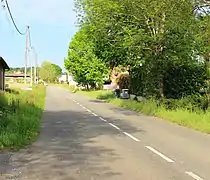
165 45
20 69
48 71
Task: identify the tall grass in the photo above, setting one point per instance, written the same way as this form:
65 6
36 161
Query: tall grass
20 115
181 113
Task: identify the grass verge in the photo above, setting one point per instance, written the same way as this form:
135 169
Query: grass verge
20 115
197 120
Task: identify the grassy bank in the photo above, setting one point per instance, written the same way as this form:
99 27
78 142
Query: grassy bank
20 115
198 119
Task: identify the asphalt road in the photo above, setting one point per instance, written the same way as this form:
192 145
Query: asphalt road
85 139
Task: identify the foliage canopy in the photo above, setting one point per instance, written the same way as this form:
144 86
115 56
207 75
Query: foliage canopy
49 72
165 44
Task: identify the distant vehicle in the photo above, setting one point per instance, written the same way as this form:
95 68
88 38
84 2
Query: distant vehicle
125 94
45 84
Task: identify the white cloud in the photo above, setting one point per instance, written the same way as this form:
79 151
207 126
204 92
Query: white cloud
44 11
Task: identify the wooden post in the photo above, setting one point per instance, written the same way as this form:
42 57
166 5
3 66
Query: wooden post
26 54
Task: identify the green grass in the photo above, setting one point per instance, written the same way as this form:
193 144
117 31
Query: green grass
20 116
198 120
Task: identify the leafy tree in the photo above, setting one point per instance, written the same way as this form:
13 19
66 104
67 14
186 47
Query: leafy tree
152 37
49 72
57 70
82 63
204 27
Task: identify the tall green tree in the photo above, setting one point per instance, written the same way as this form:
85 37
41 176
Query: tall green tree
57 70
150 36
49 72
82 63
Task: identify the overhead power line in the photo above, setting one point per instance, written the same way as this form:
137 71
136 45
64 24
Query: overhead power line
13 21
29 45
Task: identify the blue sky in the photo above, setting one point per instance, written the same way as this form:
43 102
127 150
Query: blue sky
52 25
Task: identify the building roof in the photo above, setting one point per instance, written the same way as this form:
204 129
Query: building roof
17 75
3 63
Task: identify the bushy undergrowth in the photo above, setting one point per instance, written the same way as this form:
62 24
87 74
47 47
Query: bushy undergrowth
191 111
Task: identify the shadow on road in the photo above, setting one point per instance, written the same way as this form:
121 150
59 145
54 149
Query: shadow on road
67 149
115 109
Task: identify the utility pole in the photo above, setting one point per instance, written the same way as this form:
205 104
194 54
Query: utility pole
35 66
26 54
31 76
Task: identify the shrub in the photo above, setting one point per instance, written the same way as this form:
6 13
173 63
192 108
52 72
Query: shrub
191 103
123 81
106 96
184 80
179 80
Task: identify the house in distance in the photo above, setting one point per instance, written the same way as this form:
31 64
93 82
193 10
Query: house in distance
3 67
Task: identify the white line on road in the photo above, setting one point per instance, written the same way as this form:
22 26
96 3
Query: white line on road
102 119
159 154
132 137
94 114
88 110
114 126
194 176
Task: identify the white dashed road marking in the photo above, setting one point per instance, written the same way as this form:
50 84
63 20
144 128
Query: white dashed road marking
159 154
194 176
114 126
88 110
130 136
102 119
94 114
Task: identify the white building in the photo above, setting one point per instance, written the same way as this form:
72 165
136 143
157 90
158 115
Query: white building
67 79
63 78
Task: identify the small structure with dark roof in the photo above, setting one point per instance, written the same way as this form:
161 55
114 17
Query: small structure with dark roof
3 67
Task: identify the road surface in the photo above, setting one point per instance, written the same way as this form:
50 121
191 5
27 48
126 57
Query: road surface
85 139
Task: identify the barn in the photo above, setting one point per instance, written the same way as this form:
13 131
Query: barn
3 67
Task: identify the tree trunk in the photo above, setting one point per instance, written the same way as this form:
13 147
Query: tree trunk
87 87
161 86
